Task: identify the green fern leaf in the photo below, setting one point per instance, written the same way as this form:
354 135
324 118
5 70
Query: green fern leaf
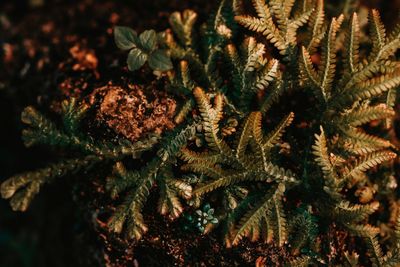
367 114
328 66
363 143
346 212
121 180
23 187
267 75
364 163
302 261
378 33
320 151
352 57
316 31
250 223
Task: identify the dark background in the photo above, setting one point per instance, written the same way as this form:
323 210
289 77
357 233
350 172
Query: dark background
51 233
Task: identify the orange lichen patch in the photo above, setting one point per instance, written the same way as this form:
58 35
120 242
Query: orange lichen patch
85 58
130 113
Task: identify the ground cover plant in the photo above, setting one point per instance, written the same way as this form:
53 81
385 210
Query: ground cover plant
268 127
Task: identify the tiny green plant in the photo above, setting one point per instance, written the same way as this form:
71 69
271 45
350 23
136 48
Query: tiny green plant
205 216
142 48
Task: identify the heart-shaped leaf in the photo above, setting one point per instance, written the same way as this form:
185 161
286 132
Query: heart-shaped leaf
136 59
125 37
148 40
159 60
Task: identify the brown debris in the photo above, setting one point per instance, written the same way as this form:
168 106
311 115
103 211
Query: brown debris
8 53
130 113
73 87
85 58
365 194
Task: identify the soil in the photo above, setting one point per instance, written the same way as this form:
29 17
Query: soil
64 49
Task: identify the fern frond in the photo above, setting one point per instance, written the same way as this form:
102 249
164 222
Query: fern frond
184 111
367 162
320 151
211 117
23 187
267 75
262 9
375 250
170 190
279 14
391 47
264 25
302 261
351 259
278 215
370 71
362 230
397 227
315 29
287 7
295 24
253 24
264 144
244 136
364 74
130 211
352 57
328 66
275 136
378 33
367 114
250 223
252 51
303 229
168 202
173 142
236 69
348 213
73 113
262 151
392 258
184 70
371 88
227 180
308 69
390 103
182 25
121 179
363 142
274 94
42 130
205 168
200 157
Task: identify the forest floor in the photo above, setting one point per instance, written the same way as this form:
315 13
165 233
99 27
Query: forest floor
63 49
